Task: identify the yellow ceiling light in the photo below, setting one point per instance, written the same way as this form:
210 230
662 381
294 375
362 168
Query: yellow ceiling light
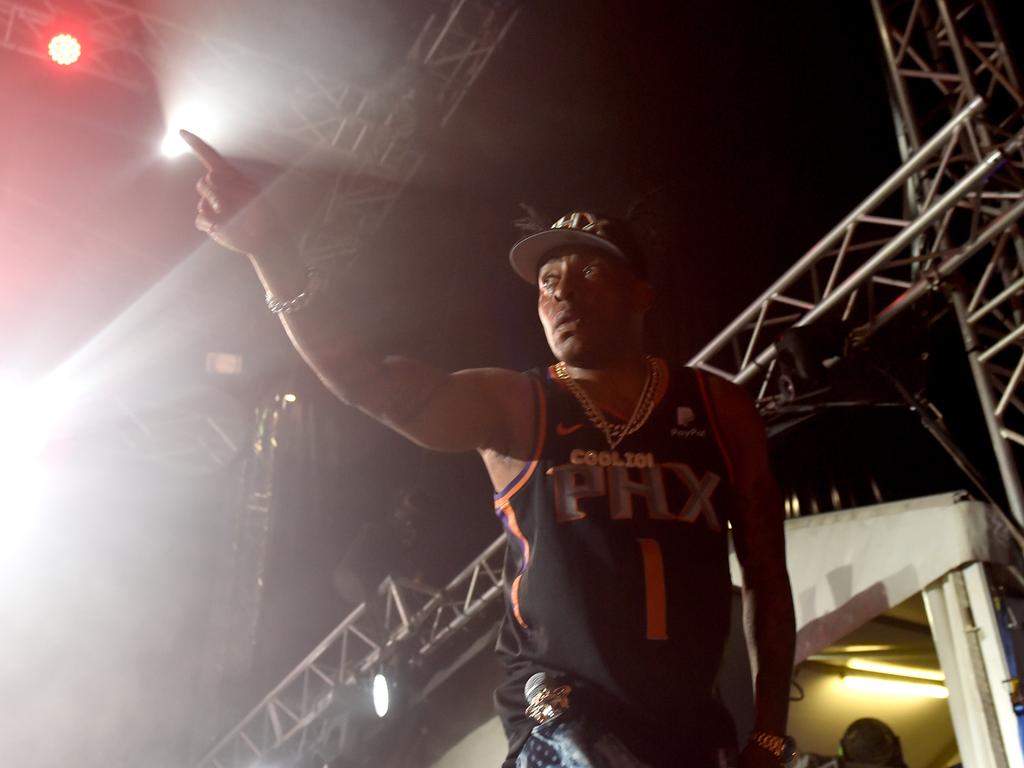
881 686
884 668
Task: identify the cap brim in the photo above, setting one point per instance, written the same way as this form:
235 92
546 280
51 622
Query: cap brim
526 255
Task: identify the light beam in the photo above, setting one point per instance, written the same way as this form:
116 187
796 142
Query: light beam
194 117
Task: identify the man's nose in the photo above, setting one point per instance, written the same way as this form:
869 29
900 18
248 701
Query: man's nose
565 288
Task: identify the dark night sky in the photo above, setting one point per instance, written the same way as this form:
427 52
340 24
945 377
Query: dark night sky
754 125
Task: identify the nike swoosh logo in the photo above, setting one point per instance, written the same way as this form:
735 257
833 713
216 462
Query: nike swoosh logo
563 430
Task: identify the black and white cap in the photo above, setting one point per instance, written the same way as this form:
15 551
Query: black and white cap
606 233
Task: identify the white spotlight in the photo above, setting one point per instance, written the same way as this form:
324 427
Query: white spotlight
30 413
381 695
196 118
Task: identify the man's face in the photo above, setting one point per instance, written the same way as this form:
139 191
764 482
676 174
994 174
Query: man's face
590 304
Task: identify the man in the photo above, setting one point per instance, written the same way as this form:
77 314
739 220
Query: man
615 477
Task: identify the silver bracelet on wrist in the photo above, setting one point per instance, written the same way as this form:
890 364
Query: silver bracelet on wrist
299 301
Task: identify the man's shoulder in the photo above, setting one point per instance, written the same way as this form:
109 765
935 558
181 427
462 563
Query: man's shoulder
734 408
724 391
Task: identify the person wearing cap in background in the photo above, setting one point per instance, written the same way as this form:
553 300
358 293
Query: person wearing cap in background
616 477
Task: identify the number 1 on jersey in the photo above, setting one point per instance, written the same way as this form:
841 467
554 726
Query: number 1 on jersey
654 584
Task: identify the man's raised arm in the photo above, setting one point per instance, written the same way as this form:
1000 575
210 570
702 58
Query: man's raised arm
481 409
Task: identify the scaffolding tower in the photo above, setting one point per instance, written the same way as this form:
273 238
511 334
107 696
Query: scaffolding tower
947 220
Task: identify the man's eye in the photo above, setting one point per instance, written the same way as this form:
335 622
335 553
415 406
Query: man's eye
590 270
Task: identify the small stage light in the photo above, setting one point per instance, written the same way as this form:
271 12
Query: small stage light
381 695
65 49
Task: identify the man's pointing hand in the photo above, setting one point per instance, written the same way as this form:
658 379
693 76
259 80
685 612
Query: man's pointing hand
231 208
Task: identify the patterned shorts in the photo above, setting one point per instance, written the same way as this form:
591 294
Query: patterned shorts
570 744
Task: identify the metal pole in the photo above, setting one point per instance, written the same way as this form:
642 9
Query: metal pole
907 133
971 699
1004 455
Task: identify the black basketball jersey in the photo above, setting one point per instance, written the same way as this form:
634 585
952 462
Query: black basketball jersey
617 571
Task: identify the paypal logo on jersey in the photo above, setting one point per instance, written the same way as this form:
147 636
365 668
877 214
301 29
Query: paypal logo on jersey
685 418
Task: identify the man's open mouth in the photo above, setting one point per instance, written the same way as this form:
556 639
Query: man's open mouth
567 320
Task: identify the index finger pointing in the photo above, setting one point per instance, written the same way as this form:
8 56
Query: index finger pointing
207 155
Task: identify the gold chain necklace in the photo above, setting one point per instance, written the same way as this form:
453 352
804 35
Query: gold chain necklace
614 433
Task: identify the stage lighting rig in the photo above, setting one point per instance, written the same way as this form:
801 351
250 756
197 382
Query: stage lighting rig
346 715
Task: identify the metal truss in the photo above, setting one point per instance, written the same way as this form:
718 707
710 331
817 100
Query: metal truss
355 205
181 438
448 56
949 216
454 48
940 54
408 617
372 131
861 269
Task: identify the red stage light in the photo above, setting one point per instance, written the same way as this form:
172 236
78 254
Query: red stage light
65 49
